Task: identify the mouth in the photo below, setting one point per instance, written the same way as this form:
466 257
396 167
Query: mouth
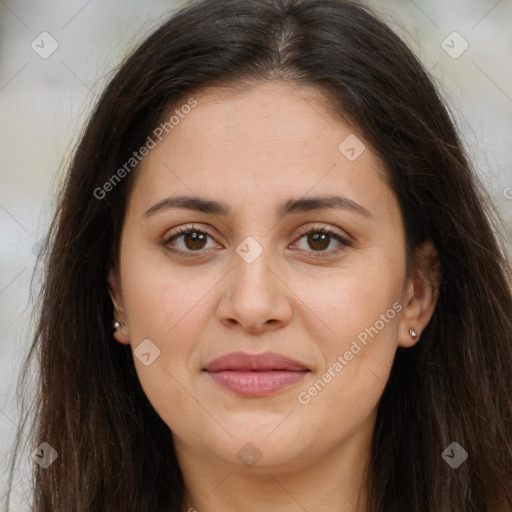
256 375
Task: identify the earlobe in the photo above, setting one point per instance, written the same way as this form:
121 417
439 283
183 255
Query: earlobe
421 295
120 333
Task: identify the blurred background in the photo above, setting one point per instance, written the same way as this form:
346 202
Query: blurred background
56 57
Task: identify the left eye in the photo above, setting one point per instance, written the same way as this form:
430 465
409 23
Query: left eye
194 240
320 238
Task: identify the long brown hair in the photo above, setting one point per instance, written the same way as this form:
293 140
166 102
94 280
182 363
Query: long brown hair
114 452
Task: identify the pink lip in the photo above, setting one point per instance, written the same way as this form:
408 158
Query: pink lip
254 375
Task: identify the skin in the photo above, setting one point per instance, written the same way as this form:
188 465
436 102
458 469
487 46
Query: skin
254 150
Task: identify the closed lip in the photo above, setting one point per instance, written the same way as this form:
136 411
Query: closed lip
266 361
255 375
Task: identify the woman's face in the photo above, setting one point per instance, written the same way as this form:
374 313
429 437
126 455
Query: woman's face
261 170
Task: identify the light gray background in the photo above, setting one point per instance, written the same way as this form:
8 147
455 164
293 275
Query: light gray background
44 104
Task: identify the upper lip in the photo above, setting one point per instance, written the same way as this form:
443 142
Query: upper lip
256 362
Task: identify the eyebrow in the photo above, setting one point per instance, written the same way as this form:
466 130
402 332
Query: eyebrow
292 206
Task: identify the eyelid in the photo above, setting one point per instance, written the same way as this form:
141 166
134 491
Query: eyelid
325 229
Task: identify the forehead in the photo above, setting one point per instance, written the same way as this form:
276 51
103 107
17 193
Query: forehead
271 113
271 138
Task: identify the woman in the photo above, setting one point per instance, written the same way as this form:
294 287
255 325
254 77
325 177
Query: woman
272 282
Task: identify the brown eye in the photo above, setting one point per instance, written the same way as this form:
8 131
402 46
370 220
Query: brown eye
319 239
194 240
188 239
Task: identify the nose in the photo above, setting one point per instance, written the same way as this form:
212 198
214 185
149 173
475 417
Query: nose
255 297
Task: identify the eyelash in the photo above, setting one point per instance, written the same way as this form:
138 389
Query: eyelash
303 232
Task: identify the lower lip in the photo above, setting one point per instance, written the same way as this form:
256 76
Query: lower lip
255 384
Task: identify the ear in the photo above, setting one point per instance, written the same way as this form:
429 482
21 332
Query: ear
421 294
121 334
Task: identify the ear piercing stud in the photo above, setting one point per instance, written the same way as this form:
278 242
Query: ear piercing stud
413 333
117 325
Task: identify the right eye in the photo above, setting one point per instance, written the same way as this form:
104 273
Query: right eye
191 239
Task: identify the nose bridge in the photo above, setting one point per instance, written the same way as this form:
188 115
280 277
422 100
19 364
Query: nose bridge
252 268
254 297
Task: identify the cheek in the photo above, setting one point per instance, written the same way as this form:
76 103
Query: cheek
347 390
161 298
349 300
167 307
356 331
